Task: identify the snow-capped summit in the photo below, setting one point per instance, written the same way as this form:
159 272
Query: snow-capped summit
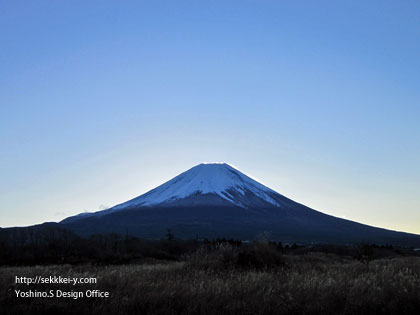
218 180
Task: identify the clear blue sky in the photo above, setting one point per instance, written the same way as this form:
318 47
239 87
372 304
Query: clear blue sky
101 101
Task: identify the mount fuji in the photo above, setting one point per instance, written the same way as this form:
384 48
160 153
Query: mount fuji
217 200
210 184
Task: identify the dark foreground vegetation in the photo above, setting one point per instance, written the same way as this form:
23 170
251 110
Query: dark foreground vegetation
210 277
49 244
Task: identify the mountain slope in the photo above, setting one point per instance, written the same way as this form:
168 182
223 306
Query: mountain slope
216 200
220 180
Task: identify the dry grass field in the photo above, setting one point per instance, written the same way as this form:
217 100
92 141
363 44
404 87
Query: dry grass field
227 280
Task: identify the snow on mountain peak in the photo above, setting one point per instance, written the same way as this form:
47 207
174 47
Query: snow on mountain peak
212 178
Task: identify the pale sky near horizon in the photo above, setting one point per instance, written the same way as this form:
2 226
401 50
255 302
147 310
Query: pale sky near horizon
101 101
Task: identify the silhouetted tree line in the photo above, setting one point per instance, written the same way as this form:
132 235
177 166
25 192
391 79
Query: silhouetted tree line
51 244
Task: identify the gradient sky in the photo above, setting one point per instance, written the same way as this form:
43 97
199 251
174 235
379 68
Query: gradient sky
101 101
